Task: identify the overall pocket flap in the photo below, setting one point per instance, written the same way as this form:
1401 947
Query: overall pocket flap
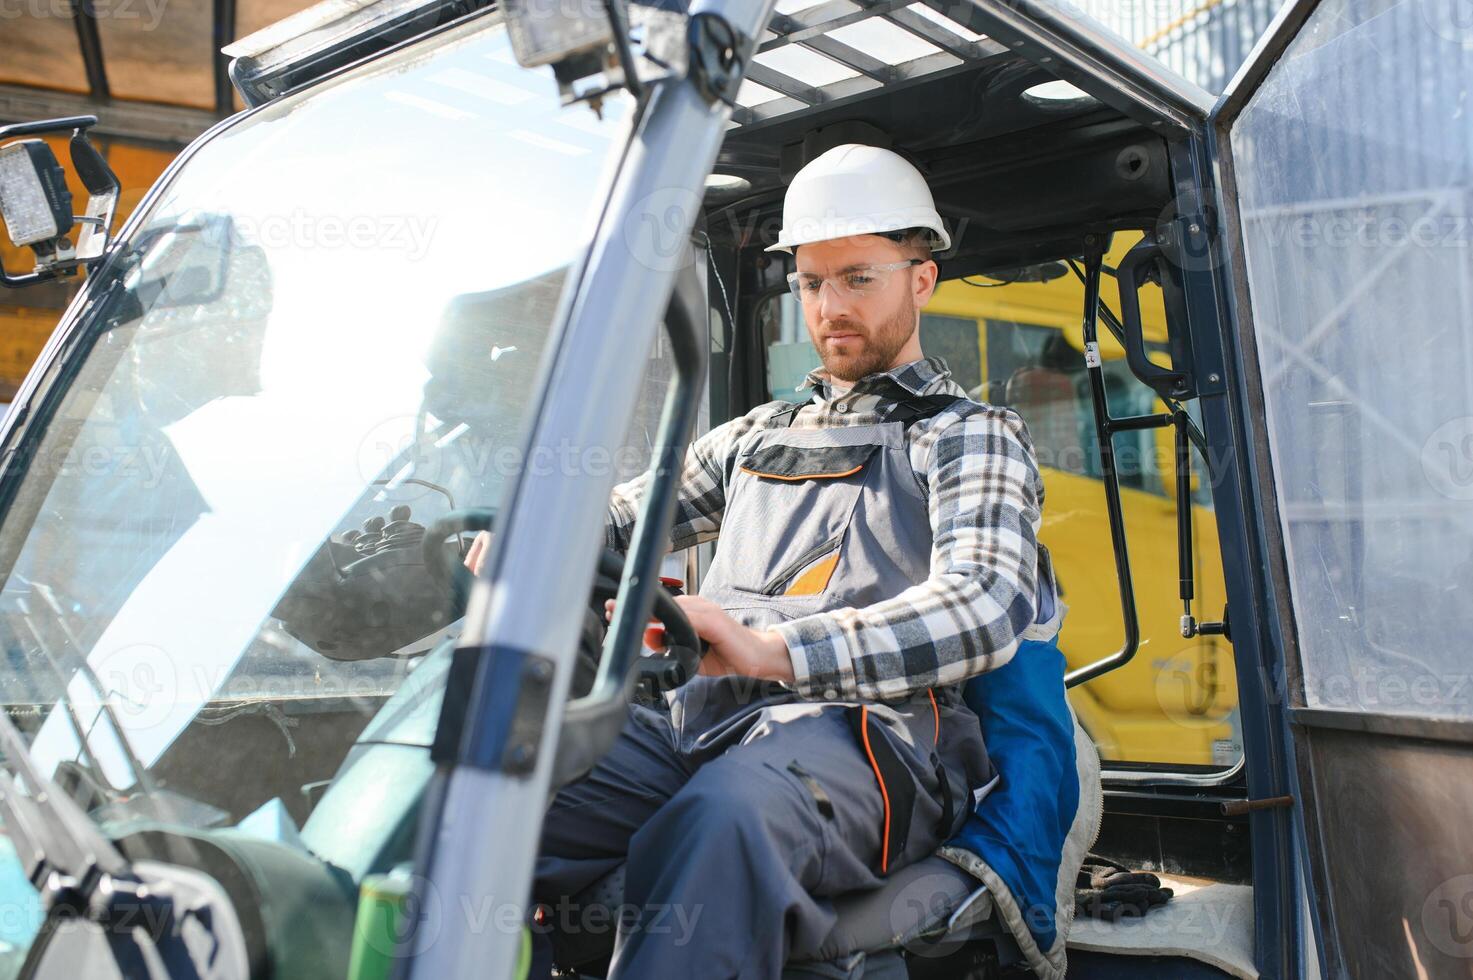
808 463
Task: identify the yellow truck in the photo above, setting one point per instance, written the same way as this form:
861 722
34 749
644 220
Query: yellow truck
1176 700
1016 339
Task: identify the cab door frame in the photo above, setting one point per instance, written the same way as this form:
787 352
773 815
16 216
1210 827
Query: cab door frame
1312 735
1077 49
1271 570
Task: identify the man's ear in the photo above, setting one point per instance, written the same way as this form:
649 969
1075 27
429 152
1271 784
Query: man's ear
924 282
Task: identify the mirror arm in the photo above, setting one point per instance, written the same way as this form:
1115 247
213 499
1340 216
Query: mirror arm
43 126
29 279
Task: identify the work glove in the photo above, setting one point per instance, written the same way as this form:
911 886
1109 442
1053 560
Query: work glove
1105 890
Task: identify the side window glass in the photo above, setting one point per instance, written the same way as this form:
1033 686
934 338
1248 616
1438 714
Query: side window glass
1354 197
790 354
1019 344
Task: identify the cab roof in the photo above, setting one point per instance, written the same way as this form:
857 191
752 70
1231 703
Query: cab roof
1019 177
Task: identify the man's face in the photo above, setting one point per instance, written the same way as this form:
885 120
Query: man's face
860 335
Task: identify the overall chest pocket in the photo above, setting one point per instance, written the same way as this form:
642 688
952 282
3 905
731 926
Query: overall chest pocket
793 505
799 463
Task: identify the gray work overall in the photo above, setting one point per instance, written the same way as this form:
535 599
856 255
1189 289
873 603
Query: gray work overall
746 808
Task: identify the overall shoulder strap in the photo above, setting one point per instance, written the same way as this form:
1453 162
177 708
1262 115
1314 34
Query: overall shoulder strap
783 417
918 407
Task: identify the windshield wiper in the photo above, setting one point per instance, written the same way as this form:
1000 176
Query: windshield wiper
79 873
64 855
48 601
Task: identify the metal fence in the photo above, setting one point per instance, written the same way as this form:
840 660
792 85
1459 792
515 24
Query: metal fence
1205 40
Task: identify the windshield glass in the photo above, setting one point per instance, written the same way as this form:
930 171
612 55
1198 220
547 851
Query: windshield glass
324 334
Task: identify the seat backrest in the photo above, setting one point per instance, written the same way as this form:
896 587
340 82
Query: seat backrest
1030 834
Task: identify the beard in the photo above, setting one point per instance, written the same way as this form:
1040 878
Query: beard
872 351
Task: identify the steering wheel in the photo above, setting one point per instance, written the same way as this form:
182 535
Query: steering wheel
667 670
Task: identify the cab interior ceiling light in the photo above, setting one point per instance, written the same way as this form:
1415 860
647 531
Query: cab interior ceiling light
727 182
33 193
1056 93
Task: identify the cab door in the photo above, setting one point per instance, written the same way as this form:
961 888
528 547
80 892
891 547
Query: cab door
1345 158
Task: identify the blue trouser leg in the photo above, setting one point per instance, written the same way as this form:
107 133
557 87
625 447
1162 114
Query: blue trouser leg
739 865
588 826
734 855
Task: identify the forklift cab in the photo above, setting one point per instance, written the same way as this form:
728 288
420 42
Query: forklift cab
258 720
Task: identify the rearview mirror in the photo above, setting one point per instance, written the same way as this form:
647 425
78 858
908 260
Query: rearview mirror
186 263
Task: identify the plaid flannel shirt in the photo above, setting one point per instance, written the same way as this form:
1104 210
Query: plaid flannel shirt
984 497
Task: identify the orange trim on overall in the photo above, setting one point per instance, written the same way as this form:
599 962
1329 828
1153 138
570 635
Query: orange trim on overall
936 713
884 793
816 578
803 476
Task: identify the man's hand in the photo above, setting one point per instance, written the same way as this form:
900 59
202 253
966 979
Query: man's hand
735 649
475 555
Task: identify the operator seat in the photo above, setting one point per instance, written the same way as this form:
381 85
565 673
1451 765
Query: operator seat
923 915
929 909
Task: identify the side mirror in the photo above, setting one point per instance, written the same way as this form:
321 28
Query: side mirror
186 263
36 205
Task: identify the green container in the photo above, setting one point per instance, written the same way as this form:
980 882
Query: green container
381 928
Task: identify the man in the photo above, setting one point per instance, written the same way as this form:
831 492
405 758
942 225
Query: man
877 547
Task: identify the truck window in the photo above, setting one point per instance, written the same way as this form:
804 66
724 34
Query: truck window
301 358
1019 345
1354 203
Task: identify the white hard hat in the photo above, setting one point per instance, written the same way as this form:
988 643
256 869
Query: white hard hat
855 189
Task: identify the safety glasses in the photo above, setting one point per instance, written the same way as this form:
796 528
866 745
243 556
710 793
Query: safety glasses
856 282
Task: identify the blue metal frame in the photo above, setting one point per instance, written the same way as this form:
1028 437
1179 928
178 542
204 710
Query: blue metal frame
1213 284
479 832
1237 498
1297 837
1215 291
